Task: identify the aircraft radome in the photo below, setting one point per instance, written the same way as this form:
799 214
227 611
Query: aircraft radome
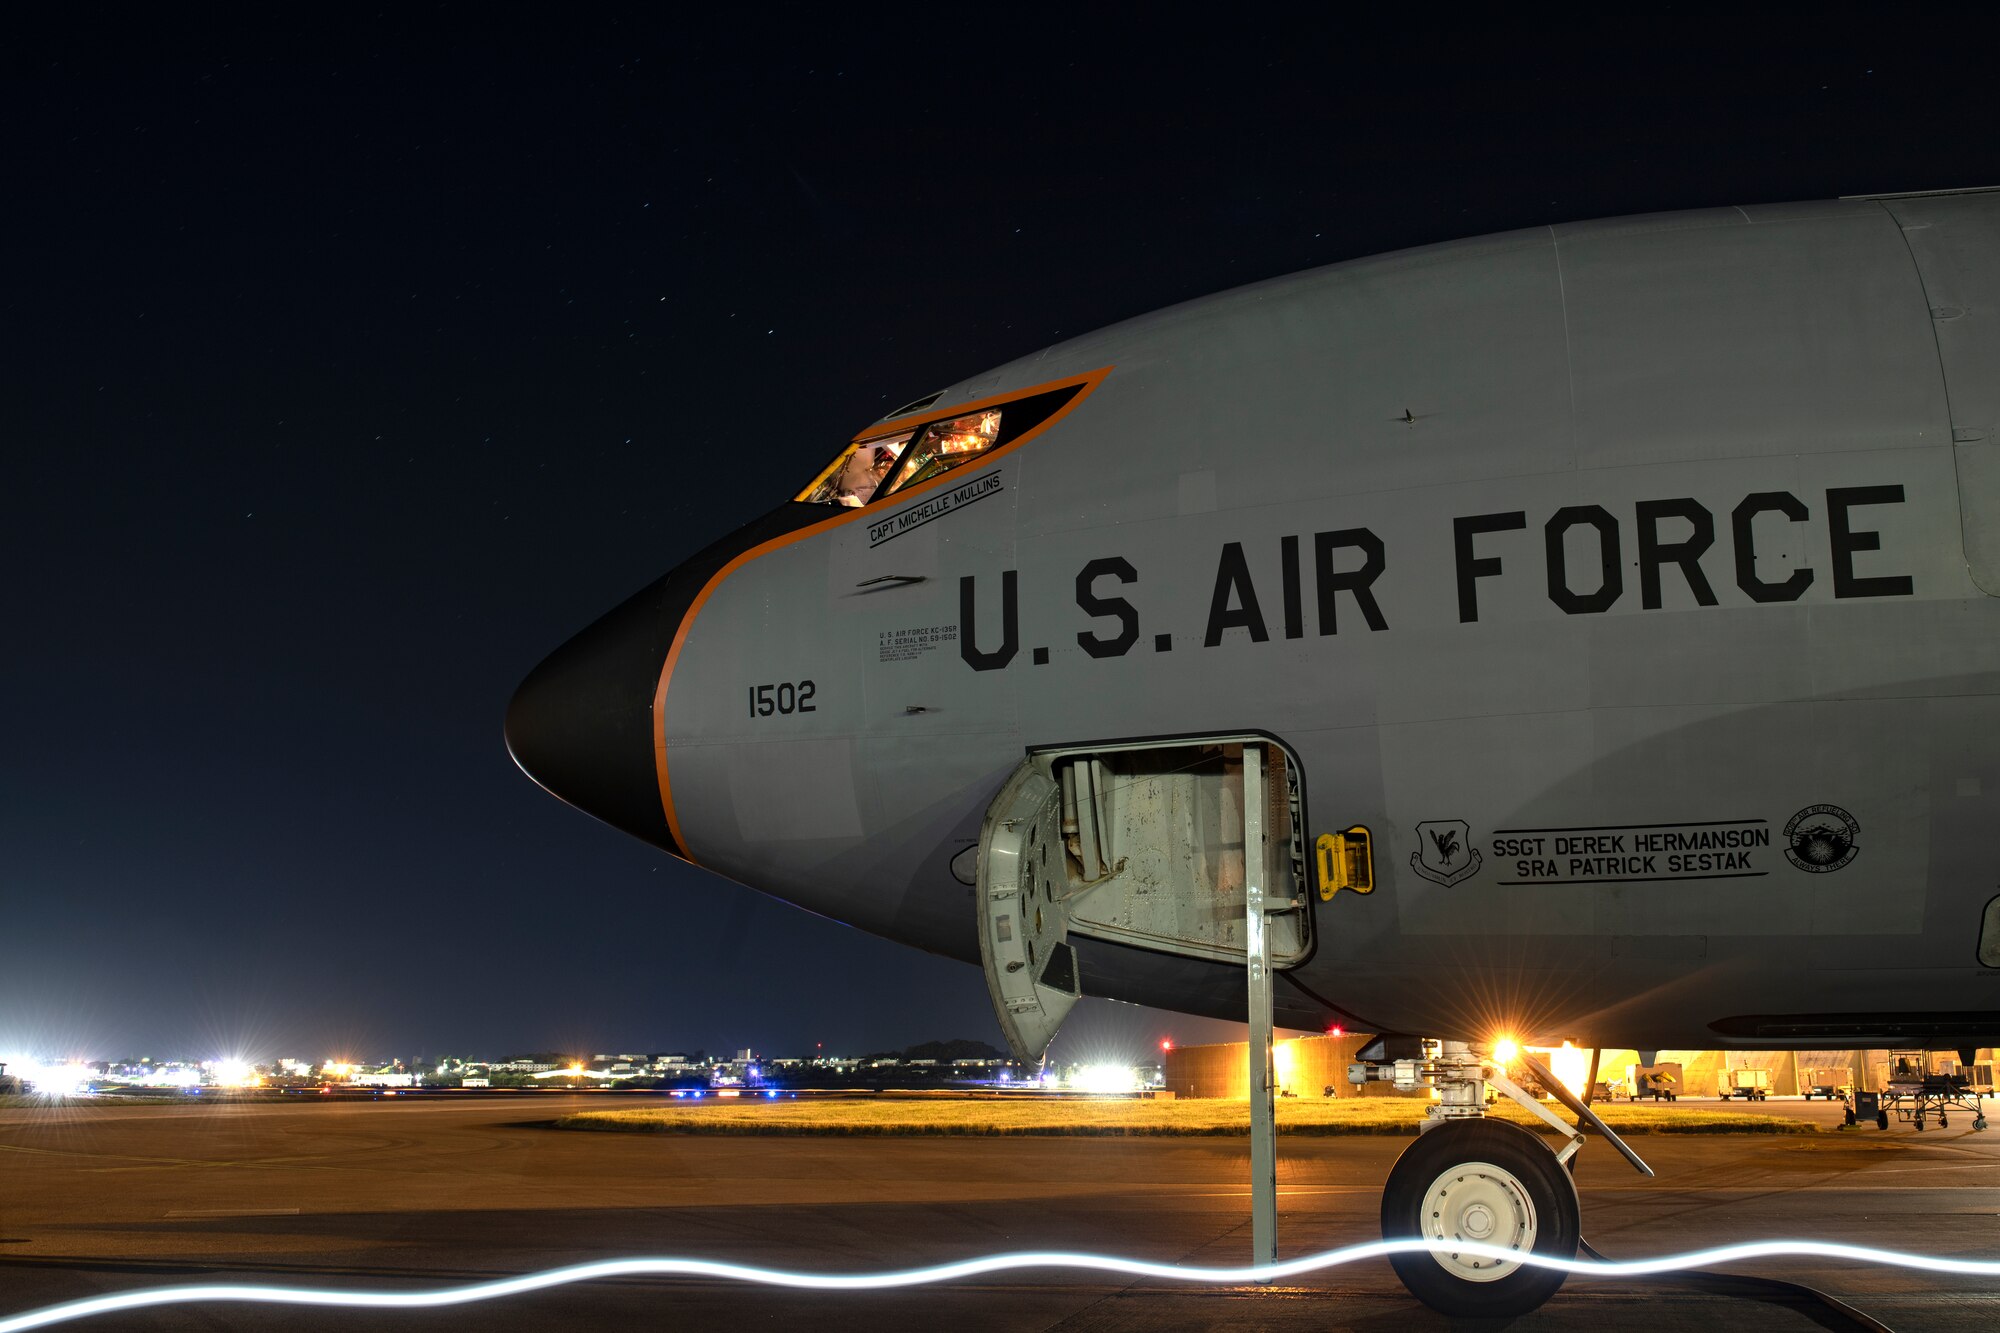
1620 601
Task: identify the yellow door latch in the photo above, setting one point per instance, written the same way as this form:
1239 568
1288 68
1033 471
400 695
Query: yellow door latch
1346 861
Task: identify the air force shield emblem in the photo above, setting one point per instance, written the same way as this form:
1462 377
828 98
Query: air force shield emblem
1444 854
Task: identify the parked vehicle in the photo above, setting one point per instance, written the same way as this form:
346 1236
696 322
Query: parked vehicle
1660 1082
1752 1085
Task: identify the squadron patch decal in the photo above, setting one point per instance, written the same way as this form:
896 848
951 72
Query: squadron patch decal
1821 838
1445 855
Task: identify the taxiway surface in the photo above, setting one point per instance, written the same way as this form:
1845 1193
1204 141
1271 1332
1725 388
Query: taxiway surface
408 1193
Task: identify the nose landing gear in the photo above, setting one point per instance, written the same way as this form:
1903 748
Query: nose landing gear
1485 1181
1467 1178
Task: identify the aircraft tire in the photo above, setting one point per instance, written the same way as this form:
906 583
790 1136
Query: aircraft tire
1480 1180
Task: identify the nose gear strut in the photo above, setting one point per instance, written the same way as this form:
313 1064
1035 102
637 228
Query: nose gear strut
1468 1178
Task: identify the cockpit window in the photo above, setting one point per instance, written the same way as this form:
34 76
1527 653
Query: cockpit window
890 463
944 445
853 478
887 461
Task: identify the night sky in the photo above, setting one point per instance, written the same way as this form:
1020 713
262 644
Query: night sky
349 369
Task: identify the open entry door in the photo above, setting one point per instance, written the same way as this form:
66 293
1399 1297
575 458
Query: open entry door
1140 843
1030 970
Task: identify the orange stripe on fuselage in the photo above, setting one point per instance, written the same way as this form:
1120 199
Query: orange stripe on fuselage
956 476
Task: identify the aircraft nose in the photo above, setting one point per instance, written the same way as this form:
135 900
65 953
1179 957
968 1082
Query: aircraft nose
580 725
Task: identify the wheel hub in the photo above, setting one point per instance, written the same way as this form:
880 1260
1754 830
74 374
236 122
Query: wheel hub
1478 1201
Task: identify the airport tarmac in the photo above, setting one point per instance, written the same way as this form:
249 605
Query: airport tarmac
406 1193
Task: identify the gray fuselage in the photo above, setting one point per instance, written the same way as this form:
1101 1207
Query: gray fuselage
1628 580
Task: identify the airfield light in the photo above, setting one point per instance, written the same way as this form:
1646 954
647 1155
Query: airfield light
64 1080
1336 1031
233 1073
1166 1044
1283 1059
1104 1079
1570 1066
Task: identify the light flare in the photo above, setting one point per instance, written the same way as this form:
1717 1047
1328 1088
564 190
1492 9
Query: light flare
1104 1079
964 1268
51 1080
1571 1066
233 1072
1284 1063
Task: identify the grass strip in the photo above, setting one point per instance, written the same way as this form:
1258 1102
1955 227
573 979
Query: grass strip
1119 1118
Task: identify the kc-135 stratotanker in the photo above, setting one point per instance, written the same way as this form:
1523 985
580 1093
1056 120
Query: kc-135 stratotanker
1613 608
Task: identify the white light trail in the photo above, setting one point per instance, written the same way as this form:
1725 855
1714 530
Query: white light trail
964 1268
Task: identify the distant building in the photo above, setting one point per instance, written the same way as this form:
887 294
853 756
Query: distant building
1302 1066
381 1079
1309 1066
